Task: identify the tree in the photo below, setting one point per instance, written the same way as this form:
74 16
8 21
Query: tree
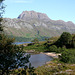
53 48
64 56
64 40
11 56
73 41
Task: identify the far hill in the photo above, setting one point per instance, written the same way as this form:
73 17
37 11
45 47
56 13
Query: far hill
31 24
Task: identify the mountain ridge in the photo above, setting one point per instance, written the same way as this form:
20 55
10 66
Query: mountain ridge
31 24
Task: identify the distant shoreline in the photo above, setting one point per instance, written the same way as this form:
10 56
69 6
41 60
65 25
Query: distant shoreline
53 55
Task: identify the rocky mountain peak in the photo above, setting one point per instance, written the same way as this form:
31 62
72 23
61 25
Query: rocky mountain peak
27 15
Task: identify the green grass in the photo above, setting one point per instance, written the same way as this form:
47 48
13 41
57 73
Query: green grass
36 47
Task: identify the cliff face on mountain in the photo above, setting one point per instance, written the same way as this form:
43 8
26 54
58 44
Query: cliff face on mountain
28 15
33 24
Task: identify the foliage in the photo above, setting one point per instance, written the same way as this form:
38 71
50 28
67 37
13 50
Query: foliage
11 56
36 47
23 71
68 56
1 0
5 43
53 48
56 49
60 50
53 39
73 41
35 40
64 40
1 12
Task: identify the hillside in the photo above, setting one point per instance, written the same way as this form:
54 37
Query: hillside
31 24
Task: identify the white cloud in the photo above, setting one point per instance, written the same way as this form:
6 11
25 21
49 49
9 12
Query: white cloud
23 1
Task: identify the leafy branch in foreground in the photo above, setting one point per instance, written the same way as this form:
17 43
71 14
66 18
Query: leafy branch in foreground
11 56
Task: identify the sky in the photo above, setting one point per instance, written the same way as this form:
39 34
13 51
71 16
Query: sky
55 9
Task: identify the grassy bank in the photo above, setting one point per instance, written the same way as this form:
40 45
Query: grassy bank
56 68
36 47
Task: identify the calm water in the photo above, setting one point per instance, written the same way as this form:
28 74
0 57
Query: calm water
17 43
39 59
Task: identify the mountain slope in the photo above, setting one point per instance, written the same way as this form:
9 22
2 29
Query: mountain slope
31 24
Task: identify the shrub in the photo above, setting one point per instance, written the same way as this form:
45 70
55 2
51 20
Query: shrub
64 40
53 48
68 56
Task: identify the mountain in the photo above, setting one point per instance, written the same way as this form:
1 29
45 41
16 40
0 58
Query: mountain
31 24
28 15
